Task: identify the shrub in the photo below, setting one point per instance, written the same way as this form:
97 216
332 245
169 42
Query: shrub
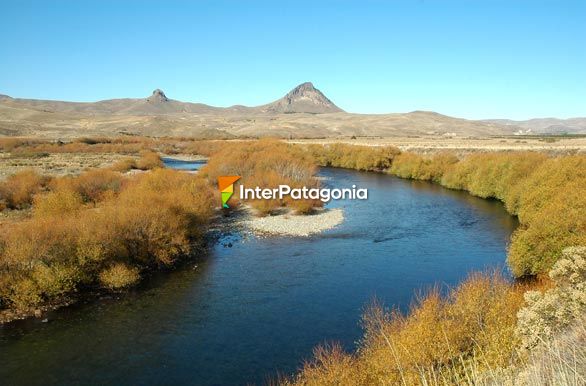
18 190
366 158
56 203
149 160
124 165
266 163
119 276
440 338
95 185
561 361
155 219
9 144
414 166
22 294
550 312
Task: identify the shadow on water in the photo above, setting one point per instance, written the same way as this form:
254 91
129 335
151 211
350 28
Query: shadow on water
248 311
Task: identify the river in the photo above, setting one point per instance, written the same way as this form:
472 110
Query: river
254 307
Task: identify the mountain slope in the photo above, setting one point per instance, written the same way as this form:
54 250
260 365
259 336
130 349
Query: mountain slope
156 104
546 125
304 98
303 112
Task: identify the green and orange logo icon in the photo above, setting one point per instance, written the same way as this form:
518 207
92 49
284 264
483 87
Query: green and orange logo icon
226 185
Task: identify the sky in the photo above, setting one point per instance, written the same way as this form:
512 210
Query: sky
473 59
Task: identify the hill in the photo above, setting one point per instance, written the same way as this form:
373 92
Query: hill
304 112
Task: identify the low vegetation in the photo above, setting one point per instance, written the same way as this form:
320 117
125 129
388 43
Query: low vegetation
365 158
101 229
18 190
547 313
119 275
438 339
486 331
268 164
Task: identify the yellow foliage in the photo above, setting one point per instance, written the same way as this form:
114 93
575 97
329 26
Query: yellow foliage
155 219
266 163
149 160
119 276
438 338
18 190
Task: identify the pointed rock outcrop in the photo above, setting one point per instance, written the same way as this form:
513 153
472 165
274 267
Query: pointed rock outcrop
158 96
304 98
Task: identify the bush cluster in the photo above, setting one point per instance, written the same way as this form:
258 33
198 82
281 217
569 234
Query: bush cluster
148 160
440 338
549 312
546 193
364 158
18 190
266 163
101 229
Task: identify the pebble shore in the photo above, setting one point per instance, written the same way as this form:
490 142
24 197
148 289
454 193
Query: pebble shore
288 224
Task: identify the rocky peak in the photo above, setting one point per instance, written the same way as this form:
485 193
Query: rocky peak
303 98
157 97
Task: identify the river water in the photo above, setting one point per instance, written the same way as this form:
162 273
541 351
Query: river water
255 307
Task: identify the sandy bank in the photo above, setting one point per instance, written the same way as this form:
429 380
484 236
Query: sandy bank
288 224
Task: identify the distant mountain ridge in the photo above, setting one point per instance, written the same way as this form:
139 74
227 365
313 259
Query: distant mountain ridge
304 98
304 112
545 125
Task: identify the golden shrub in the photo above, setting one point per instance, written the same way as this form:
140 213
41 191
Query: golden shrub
58 202
95 185
156 218
149 160
366 158
266 163
124 165
118 276
439 337
18 190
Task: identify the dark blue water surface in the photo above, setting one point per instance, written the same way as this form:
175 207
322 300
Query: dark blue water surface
246 312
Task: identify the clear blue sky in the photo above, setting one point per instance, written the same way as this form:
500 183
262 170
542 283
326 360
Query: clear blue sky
472 59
